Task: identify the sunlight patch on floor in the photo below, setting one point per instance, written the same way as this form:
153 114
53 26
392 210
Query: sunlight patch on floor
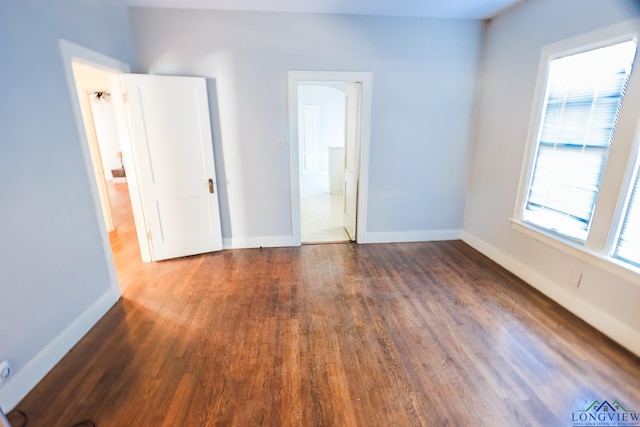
320 212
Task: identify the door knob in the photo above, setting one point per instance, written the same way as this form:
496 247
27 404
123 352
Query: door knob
211 189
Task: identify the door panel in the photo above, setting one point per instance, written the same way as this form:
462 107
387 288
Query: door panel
184 218
352 137
173 152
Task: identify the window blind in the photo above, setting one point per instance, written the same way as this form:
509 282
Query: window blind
583 98
628 244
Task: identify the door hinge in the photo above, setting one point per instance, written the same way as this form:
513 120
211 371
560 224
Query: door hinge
149 236
125 97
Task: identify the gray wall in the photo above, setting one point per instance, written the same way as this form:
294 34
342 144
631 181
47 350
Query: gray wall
423 84
507 85
52 262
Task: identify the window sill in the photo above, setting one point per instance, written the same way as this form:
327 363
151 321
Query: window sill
606 263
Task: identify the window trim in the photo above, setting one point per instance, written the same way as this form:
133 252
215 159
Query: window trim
632 170
599 254
605 262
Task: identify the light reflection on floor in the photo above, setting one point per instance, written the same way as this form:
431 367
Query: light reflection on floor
320 212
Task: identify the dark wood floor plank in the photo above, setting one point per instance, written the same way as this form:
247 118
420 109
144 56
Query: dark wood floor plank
420 334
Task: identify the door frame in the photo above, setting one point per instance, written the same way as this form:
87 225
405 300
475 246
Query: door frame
72 52
294 79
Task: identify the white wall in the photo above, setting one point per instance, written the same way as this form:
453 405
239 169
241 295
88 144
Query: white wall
52 262
508 76
423 84
104 120
331 104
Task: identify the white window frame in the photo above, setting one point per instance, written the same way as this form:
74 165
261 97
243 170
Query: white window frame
609 209
631 174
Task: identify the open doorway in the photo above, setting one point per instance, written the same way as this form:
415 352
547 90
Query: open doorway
93 89
98 117
321 143
73 53
329 117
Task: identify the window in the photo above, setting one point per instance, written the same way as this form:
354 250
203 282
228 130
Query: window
583 98
580 185
627 247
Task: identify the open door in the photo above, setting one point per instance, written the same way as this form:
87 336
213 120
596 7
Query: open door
352 147
172 153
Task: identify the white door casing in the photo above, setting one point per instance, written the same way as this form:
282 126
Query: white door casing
352 148
172 150
295 78
71 53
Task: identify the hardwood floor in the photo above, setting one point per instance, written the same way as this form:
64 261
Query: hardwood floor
430 334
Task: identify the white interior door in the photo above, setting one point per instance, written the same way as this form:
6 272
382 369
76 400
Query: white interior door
173 154
352 138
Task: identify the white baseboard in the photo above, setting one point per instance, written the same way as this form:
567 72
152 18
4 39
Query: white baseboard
379 237
26 378
257 242
618 331
412 236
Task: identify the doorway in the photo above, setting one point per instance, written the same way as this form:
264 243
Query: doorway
321 144
329 119
165 123
93 89
73 53
98 117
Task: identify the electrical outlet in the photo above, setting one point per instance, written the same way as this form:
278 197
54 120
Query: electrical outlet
5 371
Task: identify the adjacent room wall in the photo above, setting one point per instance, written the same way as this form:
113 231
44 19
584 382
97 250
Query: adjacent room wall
104 119
508 76
331 103
423 85
54 269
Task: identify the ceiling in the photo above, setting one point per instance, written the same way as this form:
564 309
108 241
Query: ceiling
457 9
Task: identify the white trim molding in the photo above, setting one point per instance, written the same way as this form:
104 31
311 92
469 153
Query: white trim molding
72 52
613 328
257 242
25 379
412 236
609 264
